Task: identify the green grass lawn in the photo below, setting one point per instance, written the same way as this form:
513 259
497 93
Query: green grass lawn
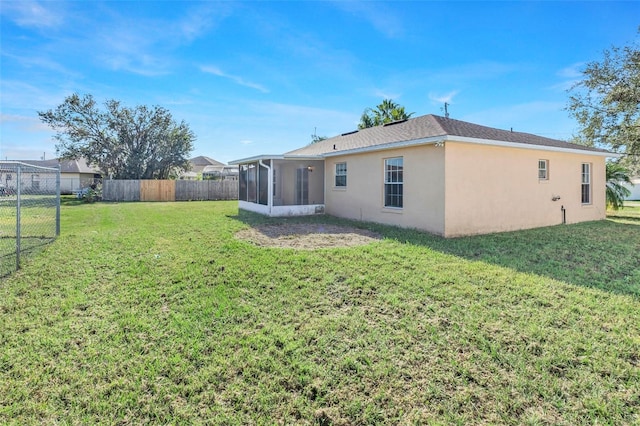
154 313
38 228
631 210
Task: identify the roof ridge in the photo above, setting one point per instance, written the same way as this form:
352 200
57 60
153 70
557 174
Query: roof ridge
436 119
431 126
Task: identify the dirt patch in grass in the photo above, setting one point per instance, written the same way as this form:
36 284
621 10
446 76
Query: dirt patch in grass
307 236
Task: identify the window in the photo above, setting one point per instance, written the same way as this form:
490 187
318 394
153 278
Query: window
341 174
543 169
586 183
393 181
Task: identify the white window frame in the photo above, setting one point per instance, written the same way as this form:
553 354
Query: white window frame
340 172
543 169
394 179
585 187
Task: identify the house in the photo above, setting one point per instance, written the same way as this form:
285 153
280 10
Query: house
208 168
634 188
74 175
432 173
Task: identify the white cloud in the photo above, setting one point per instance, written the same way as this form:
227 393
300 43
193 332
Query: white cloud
381 17
383 94
542 118
572 71
33 14
570 75
442 98
141 64
245 142
201 19
137 46
211 69
23 123
42 62
22 96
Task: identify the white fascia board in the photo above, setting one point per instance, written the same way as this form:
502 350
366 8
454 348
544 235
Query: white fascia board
255 158
444 138
530 146
393 145
303 157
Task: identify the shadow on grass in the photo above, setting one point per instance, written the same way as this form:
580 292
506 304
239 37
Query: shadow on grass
30 248
71 200
603 254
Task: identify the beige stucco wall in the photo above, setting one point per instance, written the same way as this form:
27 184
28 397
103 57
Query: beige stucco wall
362 199
495 189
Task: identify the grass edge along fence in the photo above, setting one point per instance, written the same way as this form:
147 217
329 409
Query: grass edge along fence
29 211
169 190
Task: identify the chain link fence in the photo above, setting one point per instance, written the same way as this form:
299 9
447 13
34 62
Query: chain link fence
29 211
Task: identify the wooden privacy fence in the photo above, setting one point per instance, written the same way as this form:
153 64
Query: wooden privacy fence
169 190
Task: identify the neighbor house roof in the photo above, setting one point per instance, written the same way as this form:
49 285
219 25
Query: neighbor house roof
200 162
431 129
205 161
66 166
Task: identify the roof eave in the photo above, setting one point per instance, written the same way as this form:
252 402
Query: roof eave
255 158
274 157
452 138
531 146
383 147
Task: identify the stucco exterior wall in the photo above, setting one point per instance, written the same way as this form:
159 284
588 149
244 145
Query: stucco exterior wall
496 189
363 197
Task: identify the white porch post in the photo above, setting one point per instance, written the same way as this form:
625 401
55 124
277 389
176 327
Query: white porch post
269 184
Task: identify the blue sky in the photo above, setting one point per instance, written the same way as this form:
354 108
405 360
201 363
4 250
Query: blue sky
261 77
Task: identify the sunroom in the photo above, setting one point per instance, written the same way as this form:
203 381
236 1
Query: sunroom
275 185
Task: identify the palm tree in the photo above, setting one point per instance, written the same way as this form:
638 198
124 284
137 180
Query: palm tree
617 175
387 112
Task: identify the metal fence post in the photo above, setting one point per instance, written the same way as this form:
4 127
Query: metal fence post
58 202
18 196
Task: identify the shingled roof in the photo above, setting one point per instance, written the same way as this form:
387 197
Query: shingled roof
66 166
427 127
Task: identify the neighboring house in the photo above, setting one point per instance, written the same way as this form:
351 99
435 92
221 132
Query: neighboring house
634 188
432 173
74 175
208 168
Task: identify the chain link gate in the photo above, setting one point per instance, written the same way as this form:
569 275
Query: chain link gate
29 211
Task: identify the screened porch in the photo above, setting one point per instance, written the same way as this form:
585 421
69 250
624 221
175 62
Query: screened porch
277 186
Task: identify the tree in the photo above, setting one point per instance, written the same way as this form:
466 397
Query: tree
124 143
315 138
616 176
606 103
387 112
